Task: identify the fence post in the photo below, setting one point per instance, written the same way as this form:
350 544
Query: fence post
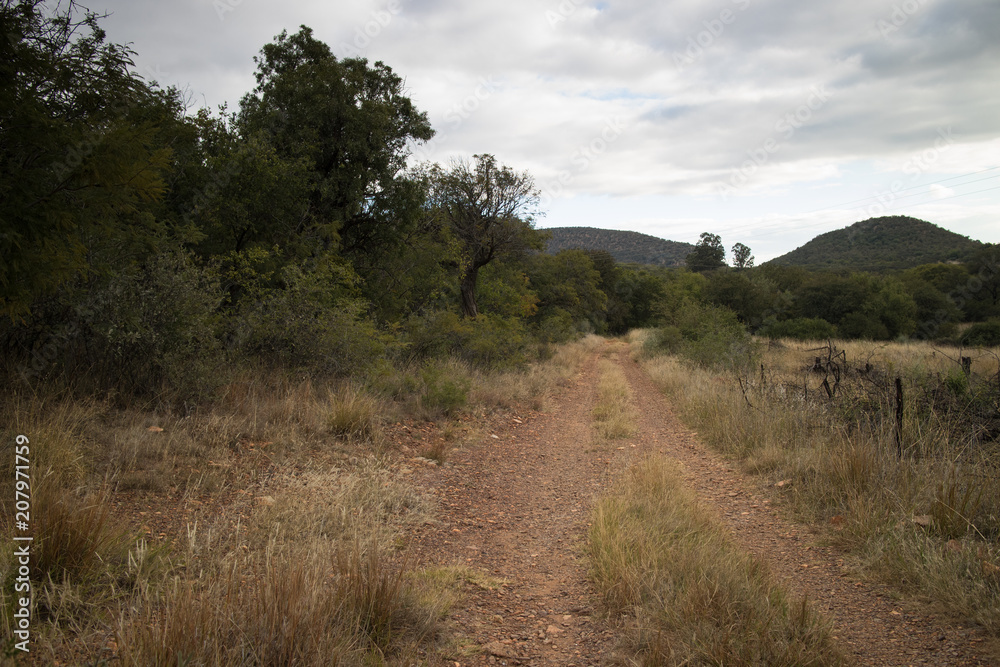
899 417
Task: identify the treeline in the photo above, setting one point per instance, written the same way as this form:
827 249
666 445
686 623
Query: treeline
927 302
152 251
148 250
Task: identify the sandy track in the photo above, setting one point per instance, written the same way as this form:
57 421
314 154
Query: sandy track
868 623
515 504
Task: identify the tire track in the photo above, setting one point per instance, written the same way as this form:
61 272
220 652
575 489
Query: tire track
868 623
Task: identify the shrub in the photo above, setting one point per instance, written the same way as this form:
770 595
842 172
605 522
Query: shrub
710 336
983 334
556 327
149 326
311 321
446 388
496 342
489 341
800 328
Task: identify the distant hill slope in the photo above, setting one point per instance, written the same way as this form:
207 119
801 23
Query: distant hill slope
625 247
881 244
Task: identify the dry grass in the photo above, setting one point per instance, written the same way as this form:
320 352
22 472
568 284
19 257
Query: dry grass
928 522
352 607
313 573
315 577
533 386
353 415
614 416
695 597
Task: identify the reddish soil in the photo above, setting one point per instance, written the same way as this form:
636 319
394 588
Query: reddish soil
514 505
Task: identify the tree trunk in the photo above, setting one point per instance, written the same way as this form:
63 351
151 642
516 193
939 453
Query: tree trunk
469 308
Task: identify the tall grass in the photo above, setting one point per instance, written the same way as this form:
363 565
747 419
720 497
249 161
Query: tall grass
316 577
927 522
614 416
695 598
350 607
312 573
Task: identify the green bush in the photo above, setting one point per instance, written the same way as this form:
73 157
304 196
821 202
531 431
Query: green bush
710 336
154 326
863 326
496 343
667 339
984 334
800 328
310 321
446 388
557 327
489 341
436 334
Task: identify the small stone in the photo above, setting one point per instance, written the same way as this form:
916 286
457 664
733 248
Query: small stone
553 630
155 429
783 483
267 501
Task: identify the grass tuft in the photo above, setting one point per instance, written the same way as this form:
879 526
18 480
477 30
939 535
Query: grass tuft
694 596
614 416
353 415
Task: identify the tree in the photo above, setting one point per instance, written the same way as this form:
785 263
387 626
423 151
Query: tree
352 124
742 257
491 210
748 294
708 254
981 295
636 299
78 157
568 282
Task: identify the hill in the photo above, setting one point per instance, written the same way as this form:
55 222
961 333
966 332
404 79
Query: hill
626 247
881 244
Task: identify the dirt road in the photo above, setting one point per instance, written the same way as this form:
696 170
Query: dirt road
514 506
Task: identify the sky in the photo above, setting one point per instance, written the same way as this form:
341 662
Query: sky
767 122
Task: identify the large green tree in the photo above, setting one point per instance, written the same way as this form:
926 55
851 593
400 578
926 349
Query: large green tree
80 155
490 209
742 257
708 254
980 297
569 283
352 123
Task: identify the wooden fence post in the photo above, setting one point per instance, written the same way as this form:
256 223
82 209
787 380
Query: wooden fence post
899 417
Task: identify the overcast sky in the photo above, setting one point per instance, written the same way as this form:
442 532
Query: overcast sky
767 122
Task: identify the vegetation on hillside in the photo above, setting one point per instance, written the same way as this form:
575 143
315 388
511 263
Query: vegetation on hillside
881 244
626 247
